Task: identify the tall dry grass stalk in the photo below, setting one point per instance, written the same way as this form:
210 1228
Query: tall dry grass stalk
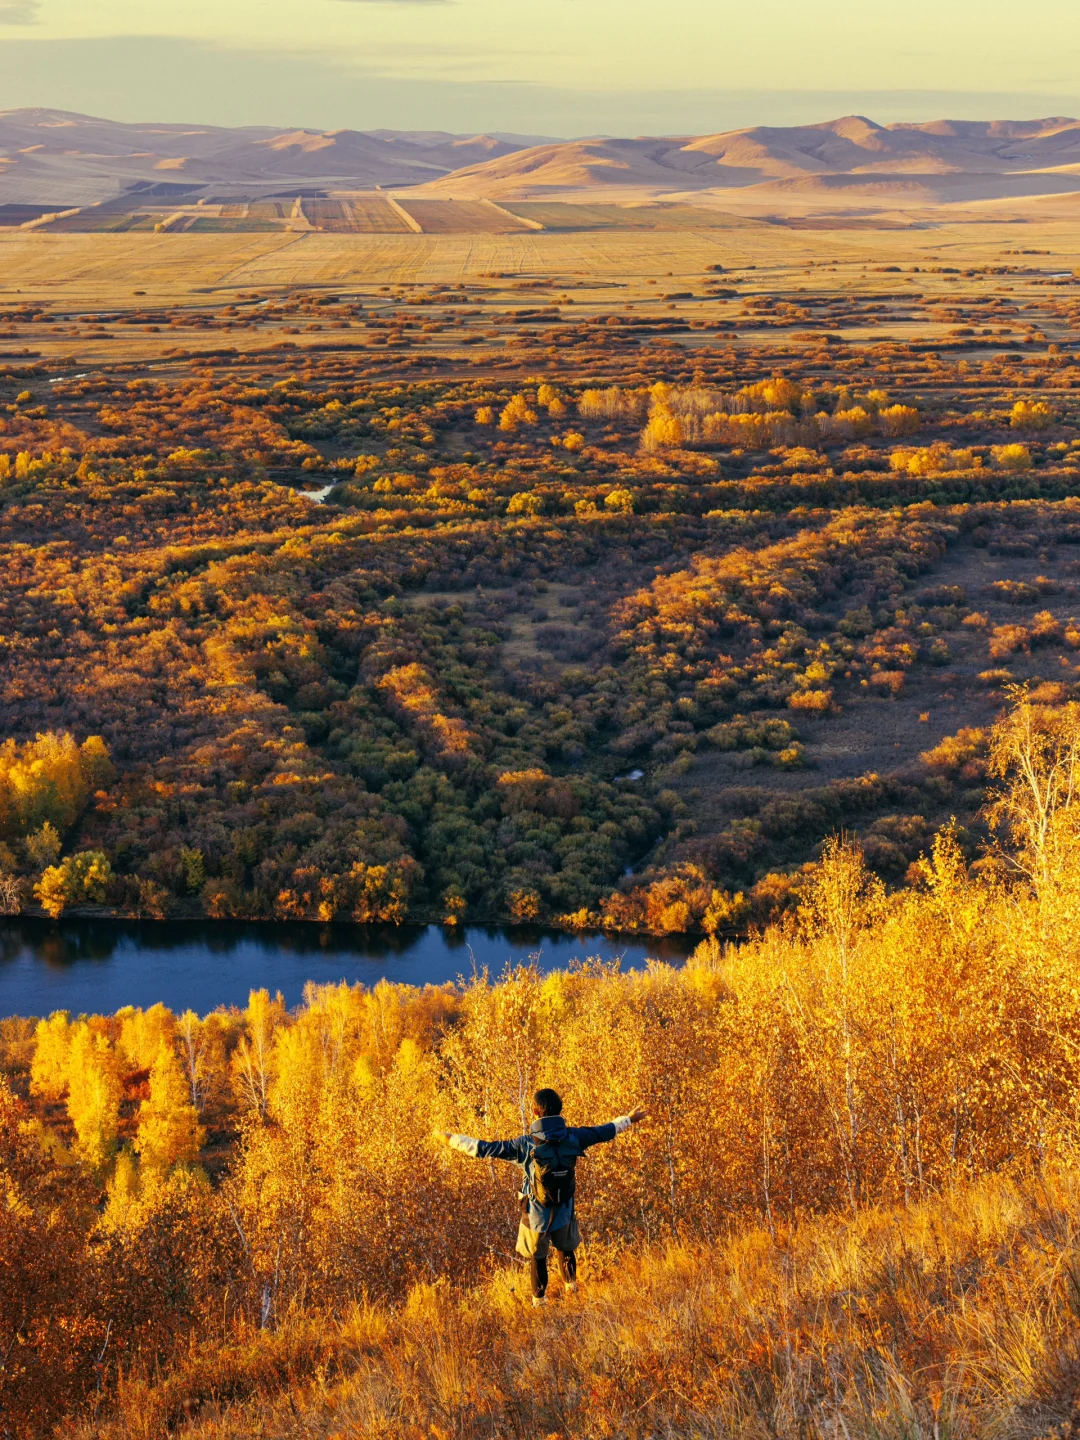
959 1317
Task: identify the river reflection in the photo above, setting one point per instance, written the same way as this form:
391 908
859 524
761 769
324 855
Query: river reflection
99 965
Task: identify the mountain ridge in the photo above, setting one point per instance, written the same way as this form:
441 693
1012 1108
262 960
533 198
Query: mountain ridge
943 155
62 158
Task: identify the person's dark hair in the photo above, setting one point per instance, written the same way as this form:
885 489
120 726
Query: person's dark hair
547 1102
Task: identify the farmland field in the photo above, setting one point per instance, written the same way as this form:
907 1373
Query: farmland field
229 225
265 209
374 215
103 222
51 263
468 217
560 215
334 216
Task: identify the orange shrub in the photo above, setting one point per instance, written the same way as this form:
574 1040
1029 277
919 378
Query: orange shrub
1007 640
818 702
891 681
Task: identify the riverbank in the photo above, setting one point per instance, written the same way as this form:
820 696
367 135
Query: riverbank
93 962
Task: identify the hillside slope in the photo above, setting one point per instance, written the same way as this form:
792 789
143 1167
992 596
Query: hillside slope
937 160
955 1317
56 158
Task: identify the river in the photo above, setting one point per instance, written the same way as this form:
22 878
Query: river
97 966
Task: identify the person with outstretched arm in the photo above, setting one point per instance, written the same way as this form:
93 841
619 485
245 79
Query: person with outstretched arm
548 1154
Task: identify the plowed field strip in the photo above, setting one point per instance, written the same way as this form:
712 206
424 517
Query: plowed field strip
374 215
460 217
555 215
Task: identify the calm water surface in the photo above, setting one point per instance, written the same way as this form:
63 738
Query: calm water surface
99 965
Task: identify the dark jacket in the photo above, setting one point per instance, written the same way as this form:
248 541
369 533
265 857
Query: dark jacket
572 1140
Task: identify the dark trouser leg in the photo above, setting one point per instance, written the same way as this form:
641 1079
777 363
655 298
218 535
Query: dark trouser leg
568 1265
539 1276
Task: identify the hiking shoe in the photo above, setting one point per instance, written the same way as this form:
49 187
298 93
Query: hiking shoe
539 1300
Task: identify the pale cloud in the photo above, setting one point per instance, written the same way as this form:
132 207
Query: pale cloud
618 46
19 12
184 81
611 66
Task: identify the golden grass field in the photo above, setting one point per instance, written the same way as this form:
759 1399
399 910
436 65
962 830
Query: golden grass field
601 267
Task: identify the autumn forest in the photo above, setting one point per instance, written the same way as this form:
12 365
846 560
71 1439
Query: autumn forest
560 636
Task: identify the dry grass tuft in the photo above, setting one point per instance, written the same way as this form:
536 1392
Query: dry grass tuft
959 1317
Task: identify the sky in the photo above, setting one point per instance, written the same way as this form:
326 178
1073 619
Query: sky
566 67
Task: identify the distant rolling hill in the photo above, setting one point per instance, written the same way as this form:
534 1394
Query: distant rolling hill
54 161
843 158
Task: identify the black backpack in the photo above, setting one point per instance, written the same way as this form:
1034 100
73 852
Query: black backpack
553 1179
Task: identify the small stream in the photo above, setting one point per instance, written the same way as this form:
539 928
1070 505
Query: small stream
317 495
